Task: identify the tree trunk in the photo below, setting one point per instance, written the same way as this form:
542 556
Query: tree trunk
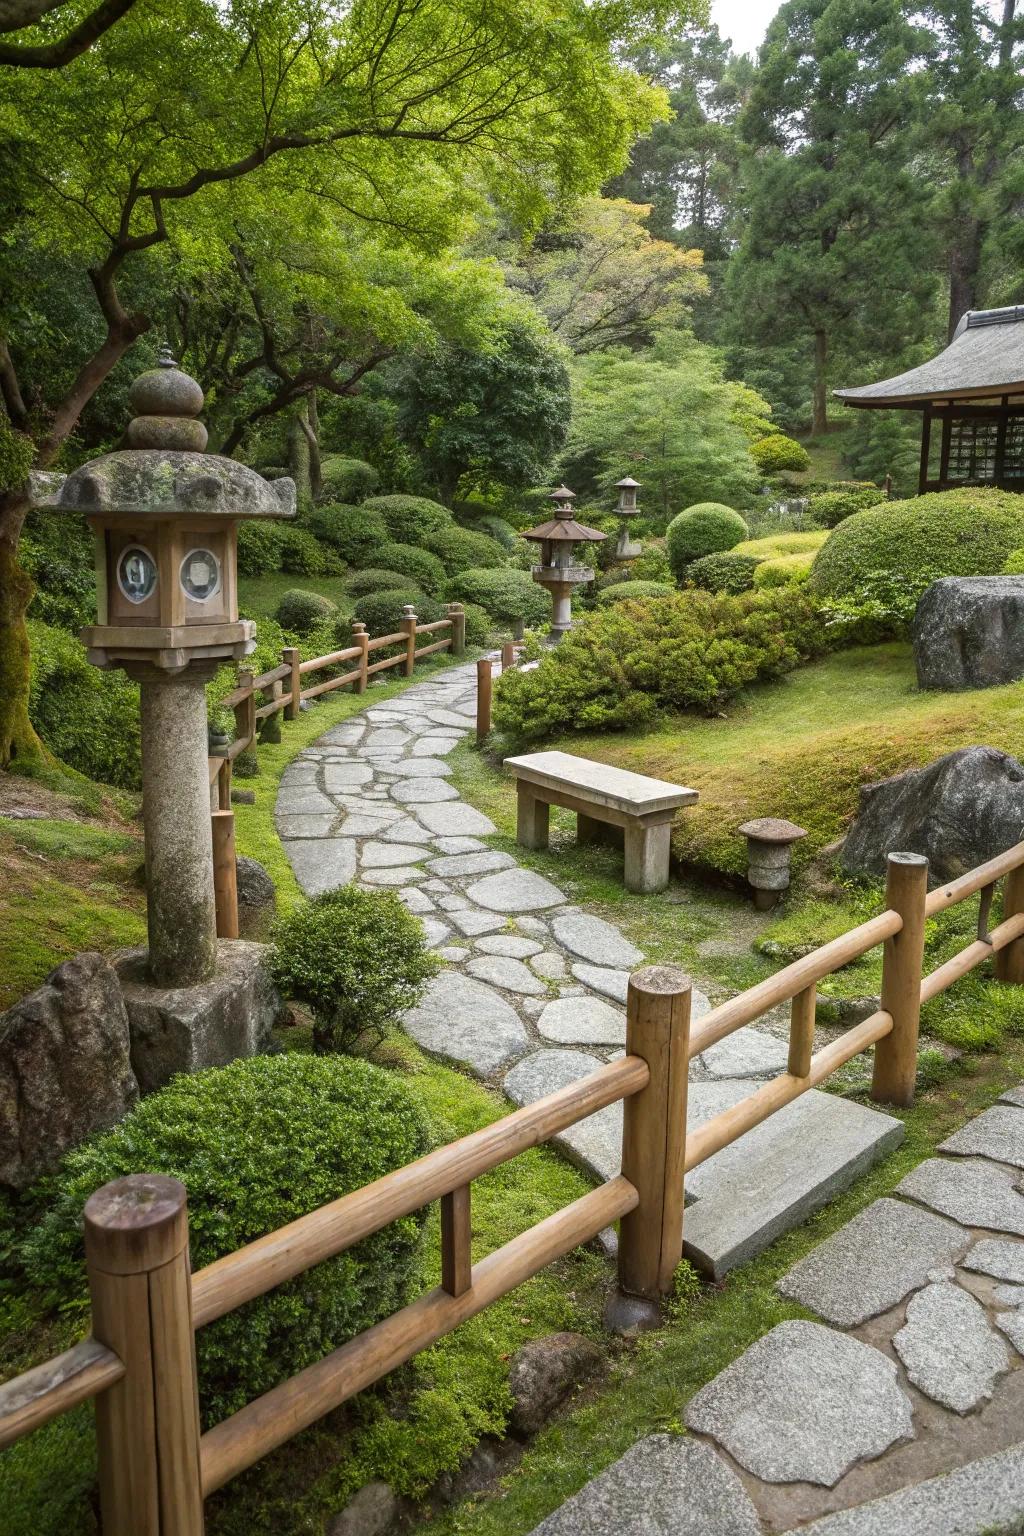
18 740
819 421
309 421
298 458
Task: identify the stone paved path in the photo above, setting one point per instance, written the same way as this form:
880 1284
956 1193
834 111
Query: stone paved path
532 996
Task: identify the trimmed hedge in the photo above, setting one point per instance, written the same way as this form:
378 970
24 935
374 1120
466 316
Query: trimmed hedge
409 518
478 624
703 529
374 580
355 533
460 549
86 717
831 507
259 547
632 591
775 544
777 452
728 571
382 613
417 565
507 595
783 571
944 533
346 480
257 1144
1014 565
303 555
301 611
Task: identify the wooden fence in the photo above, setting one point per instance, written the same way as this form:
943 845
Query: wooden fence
270 686
155 1467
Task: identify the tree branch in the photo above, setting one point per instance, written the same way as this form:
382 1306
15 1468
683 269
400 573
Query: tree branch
56 55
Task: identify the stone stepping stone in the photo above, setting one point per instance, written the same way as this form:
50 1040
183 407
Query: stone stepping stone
455 864
804 1404
948 1349
436 932
346 776
974 1500
472 922
387 855
405 874
515 890
591 938
507 973
595 1144
533 927
306 800
417 901
300 772
345 735
997 1133
388 736
434 746
466 1021
405 830
601 978
883 1254
423 791
305 826
999 1257
508 944
582 1021
973 1192
777 1174
747 1052
665 1485
459 722
551 965
454 953
1013 1096
420 768
456 820
1008 1295
459 845
322 864
1012 1324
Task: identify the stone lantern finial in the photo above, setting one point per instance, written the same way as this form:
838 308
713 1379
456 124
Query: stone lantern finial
166 402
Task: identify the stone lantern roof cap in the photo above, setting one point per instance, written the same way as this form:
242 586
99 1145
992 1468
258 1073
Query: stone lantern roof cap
627 483
772 829
563 530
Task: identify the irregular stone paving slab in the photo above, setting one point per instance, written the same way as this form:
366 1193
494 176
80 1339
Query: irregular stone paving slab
470 863
974 1500
768 1181
509 974
454 953
386 855
533 927
305 826
595 1143
515 890
997 1133
473 923
948 1349
665 1485
455 820
419 768
974 1192
1009 1295
466 1020
306 800
591 938
405 830
869 1265
436 931
459 845
1002 1258
434 746
582 1021
1013 1096
508 944
346 775
746 1052
363 826
804 1404
423 791
405 874
1012 1324
416 900
610 983
321 864
550 964
460 721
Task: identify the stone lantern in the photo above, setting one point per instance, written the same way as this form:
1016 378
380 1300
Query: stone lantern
558 570
769 843
165 516
626 510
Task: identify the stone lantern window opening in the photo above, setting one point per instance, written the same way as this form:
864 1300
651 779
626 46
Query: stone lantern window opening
200 575
137 573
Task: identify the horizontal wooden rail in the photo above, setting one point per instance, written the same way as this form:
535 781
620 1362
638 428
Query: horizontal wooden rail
271 1420
429 629
398 638
961 964
56 1386
330 684
975 880
427 650
386 664
309 1240
317 663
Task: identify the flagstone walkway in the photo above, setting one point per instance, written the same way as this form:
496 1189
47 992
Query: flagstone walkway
532 995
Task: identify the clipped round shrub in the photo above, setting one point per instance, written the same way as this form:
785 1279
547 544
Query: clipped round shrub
301 611
382 612
257 1144
352 532
260 547
728 571
417 565
783 571
497 528
776 452
774 544
508 595
460 549
86 717
478 624
628 591
374 580
301 553
944 533
831 507
702 529
409 518
348 480
1014 564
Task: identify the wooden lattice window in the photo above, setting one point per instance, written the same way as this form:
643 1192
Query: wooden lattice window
972 448
1013 452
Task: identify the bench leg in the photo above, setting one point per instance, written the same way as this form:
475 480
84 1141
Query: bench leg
532 820
647 853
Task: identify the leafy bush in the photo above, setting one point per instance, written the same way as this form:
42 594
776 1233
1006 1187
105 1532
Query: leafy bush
777 452
831 507
382 612
302 554
775 544
478 624
346 480
301 611
702 529
946 533
497 528
783 571
728 571
631 591
257 1144
691 650
259 547
410 518
1014 564
353 532
57 551
86 717
357 959
880 607
417 565
374 580
460 549
508 595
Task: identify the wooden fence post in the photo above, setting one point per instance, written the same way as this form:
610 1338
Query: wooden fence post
245 712
362 639
457 614
224 785
291 657
408 626
508 655
654 1137
483 699
147 1425
225 879
895 1069
1010 961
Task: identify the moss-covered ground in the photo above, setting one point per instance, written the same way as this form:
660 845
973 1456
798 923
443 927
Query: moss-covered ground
260 595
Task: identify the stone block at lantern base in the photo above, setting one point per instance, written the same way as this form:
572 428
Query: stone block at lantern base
184 1029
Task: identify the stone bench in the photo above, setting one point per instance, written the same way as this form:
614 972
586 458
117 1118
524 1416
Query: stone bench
642 807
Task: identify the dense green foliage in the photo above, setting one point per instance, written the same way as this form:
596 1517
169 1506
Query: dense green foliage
382 612
357 959
418 566
346 480
259 547
630 591
775 453
783 571
303 555
727 571
370 579
1014 563
301 611
408 519
706 528
256 1144
87 717
507 595
459 549
829 508
356 533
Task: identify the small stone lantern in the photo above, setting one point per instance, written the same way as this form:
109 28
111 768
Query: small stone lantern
627 509
558 570
769 842
165 516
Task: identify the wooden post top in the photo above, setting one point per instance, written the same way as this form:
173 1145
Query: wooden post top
660 980
136 1224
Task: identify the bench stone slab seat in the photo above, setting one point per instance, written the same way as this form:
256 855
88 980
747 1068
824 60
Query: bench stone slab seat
641 806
